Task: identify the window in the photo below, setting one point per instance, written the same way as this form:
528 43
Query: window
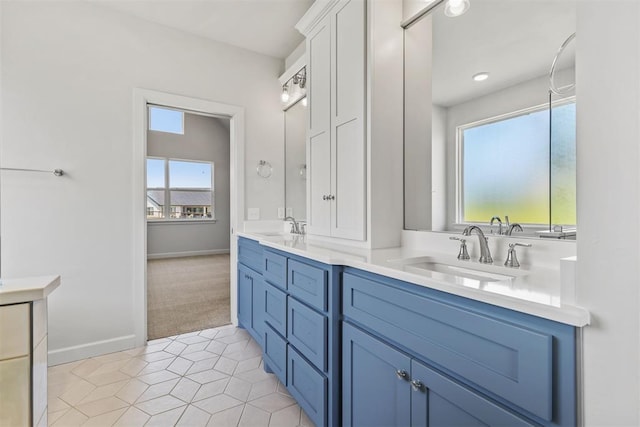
504 166
179 189
166 120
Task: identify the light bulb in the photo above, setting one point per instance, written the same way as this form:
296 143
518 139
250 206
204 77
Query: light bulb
285 94
480 77
455 8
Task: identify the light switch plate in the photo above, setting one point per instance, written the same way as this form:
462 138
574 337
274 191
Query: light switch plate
280 213
253 214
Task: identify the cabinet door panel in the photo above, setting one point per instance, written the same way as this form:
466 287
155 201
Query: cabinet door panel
275 353
348 185
307 331
274 269
245 289
372 393
308 386
441 402
319 78
319 184
275 308
257 309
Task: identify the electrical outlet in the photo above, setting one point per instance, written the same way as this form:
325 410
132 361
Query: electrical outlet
280 213
289 211
253 214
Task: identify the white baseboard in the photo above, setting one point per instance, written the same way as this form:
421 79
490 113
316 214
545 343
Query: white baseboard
96 348
187 253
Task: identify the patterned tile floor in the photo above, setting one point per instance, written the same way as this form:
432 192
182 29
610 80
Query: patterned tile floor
213 377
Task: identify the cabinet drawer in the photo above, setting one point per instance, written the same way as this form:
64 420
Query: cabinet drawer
250 253
275 353
307 332
308 284
275 308
507 359
275 269
308 387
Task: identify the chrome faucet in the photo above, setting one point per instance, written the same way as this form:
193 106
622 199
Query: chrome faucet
514 226
295 227
496 218
485 253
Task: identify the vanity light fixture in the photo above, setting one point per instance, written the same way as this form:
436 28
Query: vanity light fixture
284 97
480 77
454 8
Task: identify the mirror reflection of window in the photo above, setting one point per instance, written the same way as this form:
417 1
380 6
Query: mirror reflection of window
502 164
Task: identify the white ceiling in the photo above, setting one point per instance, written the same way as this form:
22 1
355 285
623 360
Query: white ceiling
514 41
263 26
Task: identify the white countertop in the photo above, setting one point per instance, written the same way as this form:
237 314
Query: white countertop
27 289
535 291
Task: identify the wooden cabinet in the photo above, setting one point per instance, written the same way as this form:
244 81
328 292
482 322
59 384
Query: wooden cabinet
465 362
336 148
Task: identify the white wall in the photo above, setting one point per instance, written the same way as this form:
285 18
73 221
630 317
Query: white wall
608 160
69 69
205 138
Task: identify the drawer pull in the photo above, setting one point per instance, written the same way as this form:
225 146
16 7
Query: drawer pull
417 385
402 374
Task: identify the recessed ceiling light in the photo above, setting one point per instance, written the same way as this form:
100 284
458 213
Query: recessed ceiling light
454 8
479 77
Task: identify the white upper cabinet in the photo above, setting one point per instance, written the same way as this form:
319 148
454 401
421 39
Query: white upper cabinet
336 148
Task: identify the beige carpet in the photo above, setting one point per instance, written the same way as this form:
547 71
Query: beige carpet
187 294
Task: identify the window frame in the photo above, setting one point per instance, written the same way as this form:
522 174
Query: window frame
458 220
162 107
166 209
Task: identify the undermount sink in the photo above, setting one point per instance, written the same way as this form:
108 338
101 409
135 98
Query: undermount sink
465 269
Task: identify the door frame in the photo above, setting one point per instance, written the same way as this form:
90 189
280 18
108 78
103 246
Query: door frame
235 114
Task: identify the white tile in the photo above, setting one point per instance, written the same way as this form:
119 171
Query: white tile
211 389
158 355
168 418
159 341
132 390
226 366
148 349
230 330
252 416
102 392
287 417
273 402
185 389
77 392
227 418
157 377
112 357
235 347
159 365
203 365
192 348
198 355
55 416
109 367
262 388
55 404
133 367
238 388
192 339
160 404
133 417
208 333
217 403
107 378
194 417
86 368
216 347
249 364
305 421
98 407
206 376
106 419
230 339
175 347
255 375
71 418
180 366
157 390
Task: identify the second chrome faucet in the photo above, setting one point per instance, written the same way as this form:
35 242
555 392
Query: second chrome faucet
485 253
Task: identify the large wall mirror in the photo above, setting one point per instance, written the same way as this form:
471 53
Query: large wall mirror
484 135
295 121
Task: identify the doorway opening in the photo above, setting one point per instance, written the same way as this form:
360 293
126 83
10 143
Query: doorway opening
188 221
188 201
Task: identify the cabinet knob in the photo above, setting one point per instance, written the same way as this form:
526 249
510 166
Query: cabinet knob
417 385
325 197
332 197
402 374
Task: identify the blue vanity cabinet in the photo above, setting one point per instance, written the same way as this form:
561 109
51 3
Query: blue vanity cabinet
251 288
301 317
465 362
